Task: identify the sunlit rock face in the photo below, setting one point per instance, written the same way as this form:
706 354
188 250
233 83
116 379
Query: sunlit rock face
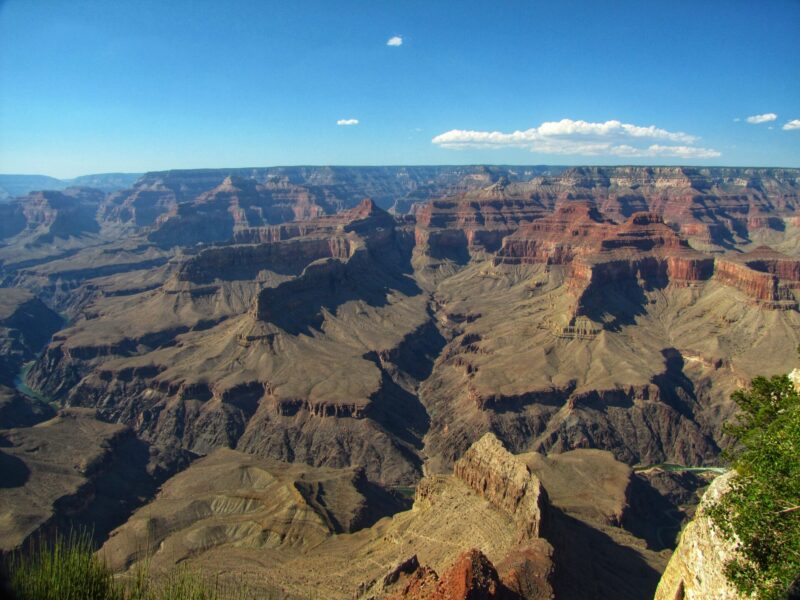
697 568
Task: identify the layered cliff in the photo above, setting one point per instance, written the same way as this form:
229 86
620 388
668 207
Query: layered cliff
765 276
291 332
44 216
507 483
714 208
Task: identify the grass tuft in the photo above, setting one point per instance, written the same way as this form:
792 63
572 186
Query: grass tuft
66 568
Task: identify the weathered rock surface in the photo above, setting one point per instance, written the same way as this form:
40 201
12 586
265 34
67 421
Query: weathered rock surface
471 577
345 301
235 499
494 473
696 569
292 530
338 341
767 277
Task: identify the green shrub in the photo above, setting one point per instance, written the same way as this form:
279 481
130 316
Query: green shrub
760 514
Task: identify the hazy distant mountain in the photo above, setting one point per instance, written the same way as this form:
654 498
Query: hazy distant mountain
13 185
19 185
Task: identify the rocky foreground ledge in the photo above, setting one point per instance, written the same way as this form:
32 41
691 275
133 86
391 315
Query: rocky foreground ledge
697 568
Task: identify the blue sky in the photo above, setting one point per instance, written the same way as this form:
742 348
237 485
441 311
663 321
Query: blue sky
88 87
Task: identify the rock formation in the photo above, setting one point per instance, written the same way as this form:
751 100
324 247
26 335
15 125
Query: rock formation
492 472
471 577
292 530
696 569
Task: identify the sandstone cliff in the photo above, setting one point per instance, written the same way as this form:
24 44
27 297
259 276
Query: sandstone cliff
507 483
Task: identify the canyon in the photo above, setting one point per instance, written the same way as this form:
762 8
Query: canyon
288 353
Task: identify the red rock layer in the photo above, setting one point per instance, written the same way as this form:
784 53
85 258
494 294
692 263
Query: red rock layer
766 276
576 228
712 205
471 577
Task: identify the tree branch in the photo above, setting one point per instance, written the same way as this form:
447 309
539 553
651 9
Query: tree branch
788 510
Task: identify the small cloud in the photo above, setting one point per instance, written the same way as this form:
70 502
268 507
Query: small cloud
736 120
395 41
765 118
793 124
347 122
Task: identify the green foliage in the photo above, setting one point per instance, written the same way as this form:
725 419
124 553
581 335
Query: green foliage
760 514
68 569
64 569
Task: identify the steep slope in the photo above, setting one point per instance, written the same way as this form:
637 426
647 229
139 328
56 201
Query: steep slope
231 498
583 332
579 332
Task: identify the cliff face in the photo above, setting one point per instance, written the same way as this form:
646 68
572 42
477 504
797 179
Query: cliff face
363 338
767 277
714 207
44 216
507 483
696 569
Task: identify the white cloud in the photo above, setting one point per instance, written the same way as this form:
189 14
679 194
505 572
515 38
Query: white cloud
347 122
395 41
568 136
765 118
793 124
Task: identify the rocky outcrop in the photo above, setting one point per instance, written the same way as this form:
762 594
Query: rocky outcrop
471 577
576 228
767 277
41 217
140 207
599 252
12 219
505 481
714 207
696 569
230 498
483 218
246 261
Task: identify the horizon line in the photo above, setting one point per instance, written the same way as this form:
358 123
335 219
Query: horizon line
396 166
